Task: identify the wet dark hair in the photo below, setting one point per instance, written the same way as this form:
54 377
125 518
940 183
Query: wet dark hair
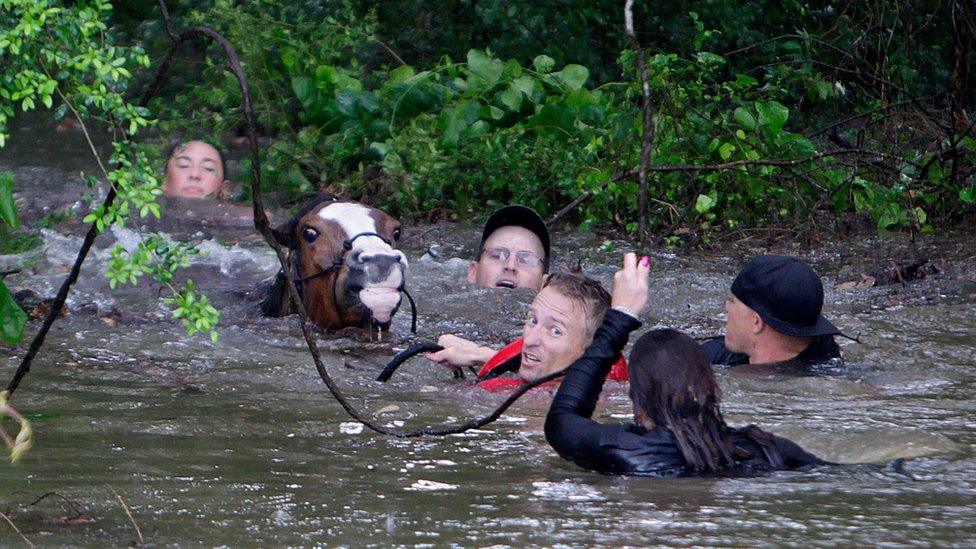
177 145
673 384
587 291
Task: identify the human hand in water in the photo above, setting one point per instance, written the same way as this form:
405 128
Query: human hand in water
459 352
630 284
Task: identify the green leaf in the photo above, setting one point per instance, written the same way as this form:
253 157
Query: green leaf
745 118
554 116
511 97
772 114
8 210
573 76
486 70
726 150
12 318
304 90
524 84
543 63
456 120
968 195
707 57
745 80
400 74
704 203
920 215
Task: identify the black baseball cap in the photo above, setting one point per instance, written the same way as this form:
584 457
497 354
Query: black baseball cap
786 293
518 216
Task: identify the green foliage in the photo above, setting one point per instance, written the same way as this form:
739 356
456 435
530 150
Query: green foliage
389 103
12 318
66 54
155 255
18 242
8 210
136 183
194 310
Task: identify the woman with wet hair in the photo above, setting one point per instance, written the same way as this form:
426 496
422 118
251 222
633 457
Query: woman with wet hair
678 427
196 169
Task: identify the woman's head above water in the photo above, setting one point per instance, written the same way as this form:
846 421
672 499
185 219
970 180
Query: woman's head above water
672 385
670 375
195 170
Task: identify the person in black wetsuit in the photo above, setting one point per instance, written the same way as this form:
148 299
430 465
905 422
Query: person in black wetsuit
774 315
678 427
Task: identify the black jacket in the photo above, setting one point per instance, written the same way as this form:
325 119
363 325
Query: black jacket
632 449
821 349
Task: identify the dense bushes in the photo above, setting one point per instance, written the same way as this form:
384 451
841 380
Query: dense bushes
356 103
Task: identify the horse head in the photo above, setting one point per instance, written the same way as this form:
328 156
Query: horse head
344 258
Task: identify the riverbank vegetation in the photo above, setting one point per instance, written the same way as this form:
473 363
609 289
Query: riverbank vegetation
762 114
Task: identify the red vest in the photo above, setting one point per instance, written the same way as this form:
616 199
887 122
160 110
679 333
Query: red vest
618 372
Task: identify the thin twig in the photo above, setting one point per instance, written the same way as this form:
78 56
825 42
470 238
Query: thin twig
867 113
81 123
128 513
569 207
774 162
389 50
74 506
678 220
14 526
647 122
8 273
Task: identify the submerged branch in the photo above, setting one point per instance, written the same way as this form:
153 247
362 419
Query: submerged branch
128 513
14 526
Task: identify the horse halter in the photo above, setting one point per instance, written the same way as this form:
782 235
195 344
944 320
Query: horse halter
336 265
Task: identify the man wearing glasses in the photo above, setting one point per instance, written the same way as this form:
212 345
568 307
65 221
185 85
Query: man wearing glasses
514 251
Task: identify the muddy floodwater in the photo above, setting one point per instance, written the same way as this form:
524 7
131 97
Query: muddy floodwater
239 443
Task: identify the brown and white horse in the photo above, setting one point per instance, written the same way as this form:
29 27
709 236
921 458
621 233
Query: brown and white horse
344 259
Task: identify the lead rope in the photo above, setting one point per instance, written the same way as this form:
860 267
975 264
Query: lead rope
412 351
263 226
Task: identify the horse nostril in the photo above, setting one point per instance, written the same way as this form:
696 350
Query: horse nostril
380 261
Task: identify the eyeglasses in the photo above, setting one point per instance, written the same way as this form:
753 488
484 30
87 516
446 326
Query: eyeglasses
523 258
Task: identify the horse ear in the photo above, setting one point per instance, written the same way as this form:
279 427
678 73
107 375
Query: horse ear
285 234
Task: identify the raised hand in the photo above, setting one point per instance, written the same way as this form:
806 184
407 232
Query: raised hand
630 284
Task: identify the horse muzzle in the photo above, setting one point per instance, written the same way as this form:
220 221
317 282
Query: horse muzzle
377 279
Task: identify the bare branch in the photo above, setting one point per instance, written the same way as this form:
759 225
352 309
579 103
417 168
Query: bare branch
128 513
648 122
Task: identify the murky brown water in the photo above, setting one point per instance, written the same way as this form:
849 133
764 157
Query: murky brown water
238 443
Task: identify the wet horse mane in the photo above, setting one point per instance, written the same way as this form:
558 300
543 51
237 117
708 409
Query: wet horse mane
288 238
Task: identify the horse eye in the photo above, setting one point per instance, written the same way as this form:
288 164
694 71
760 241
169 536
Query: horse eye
396 234
310 234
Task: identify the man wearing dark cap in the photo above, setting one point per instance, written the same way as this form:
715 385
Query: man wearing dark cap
773 315
514 250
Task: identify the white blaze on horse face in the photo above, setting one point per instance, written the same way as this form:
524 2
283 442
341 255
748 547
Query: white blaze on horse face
382 297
